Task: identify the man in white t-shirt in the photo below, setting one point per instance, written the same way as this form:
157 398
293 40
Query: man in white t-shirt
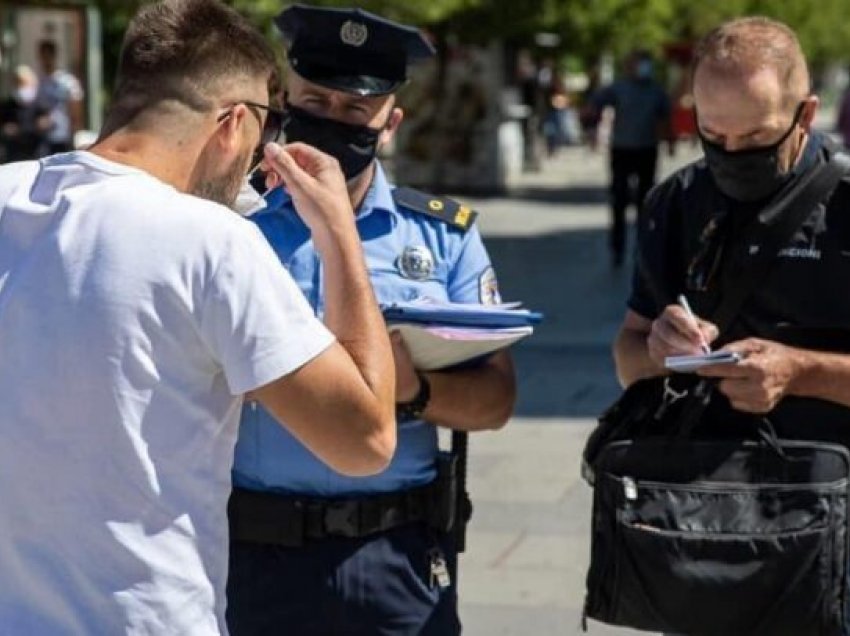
60 96
134 315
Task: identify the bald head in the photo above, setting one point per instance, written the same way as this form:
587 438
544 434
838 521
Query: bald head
745 47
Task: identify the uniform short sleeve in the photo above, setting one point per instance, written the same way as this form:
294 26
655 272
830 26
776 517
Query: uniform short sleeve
471 277
255 319
654 263
72 86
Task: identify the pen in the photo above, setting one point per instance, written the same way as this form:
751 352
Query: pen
684 304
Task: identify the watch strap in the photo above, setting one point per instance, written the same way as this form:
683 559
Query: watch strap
413 410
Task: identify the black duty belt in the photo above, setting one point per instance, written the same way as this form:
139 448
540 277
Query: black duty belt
276 519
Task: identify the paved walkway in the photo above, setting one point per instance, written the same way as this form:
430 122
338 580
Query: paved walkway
523 572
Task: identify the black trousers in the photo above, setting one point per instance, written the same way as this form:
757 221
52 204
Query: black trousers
375 586
632 176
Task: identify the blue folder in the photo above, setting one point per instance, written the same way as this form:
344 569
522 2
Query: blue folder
459 314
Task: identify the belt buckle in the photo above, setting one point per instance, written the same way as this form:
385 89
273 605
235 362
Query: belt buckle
342 518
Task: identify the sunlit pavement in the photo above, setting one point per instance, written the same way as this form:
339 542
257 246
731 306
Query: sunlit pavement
523 572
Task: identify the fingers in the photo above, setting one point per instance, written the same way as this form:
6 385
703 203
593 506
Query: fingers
747 396
674 332
281 161
682 322
739 370
709 331
752 385
398 344
396 340
273 179
310 159
671 341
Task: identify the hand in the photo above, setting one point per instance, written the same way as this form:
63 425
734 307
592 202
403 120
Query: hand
674 333
407 382
757 383
315 182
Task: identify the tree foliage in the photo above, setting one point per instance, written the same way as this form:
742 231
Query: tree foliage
586 27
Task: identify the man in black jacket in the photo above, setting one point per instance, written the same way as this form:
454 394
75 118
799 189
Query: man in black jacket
755 111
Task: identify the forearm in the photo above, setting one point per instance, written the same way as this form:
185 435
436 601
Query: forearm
481 398
825 376
631 357
352 313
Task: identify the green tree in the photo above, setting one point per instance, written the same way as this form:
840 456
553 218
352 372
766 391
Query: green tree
587 28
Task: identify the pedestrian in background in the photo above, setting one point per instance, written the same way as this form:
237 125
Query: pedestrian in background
60 96
135 311
842 124
589 115
312 551
641 120
19 115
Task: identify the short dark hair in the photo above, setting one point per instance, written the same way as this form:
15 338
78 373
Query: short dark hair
747 44
48 47
185 51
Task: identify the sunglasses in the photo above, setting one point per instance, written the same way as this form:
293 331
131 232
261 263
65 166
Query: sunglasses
272 128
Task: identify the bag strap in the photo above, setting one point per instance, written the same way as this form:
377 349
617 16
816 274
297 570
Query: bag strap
770 231
774 227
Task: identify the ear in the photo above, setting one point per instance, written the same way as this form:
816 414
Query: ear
810 108
394 121
230 129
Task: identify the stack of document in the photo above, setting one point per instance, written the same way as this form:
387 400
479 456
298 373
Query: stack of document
441 334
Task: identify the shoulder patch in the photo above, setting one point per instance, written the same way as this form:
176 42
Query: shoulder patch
446 210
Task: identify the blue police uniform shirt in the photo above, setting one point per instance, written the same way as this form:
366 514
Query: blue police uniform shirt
268 457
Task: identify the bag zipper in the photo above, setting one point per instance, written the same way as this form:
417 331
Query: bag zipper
630 486
630 489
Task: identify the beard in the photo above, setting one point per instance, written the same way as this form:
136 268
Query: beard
223 189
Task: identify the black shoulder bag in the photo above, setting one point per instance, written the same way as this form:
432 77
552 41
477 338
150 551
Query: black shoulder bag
713 537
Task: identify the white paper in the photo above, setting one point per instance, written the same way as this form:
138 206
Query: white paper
692 363
434 347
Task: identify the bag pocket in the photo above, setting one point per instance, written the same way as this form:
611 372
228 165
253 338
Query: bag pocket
722 584
730 559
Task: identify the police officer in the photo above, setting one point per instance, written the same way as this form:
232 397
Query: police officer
313 552
755 113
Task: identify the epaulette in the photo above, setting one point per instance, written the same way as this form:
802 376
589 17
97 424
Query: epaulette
446 210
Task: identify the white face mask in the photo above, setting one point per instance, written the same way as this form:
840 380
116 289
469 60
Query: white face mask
25 94
248 201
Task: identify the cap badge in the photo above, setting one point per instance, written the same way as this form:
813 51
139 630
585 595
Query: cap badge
353 33
416 262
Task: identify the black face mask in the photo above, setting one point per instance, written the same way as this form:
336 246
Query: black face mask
752 174
353 146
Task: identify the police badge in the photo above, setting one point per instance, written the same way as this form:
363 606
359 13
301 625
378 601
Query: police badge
488 288
416 262
353 33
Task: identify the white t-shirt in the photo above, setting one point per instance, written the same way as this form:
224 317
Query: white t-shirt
132 318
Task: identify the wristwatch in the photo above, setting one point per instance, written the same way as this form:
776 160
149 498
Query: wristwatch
413 410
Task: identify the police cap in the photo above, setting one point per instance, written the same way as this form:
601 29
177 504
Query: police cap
350 50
